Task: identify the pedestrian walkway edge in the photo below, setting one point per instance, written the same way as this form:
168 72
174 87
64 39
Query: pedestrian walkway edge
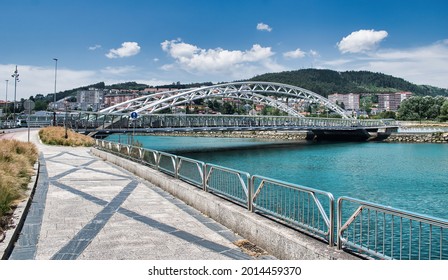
20 213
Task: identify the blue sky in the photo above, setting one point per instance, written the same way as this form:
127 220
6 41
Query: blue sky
160 42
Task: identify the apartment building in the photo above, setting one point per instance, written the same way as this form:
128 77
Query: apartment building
391 101
350 100
91 99
117 98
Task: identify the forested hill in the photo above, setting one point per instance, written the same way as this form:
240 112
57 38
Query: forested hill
325 82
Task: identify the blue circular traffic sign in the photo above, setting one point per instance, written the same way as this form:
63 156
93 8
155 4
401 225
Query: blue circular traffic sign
134 115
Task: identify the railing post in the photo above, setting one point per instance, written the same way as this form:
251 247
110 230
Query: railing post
331 217
204 177
158 156
176 167
250 194
141 153
339 225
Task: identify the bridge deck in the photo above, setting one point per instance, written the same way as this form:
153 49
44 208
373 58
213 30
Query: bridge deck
107 123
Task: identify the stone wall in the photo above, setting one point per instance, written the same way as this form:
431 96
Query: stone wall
279 135
438 137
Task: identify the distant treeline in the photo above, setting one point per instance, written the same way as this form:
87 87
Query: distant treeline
325 82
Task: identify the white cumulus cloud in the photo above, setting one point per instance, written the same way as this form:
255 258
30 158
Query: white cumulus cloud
313 53
95 47
298 53
119 71
361 41
38 79
235 63
264 27
127 49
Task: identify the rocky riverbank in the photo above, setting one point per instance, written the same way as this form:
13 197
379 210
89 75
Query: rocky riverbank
437 137
277 135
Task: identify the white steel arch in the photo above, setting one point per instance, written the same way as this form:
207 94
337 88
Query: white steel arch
253 91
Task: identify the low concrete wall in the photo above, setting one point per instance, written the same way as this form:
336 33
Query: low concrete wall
278 240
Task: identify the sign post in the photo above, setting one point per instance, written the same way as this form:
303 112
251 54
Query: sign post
134 117
28 105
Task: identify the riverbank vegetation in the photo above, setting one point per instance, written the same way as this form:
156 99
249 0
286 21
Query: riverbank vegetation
56 136
417 108
16 168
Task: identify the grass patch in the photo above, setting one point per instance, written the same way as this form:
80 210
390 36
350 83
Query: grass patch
16 168
54 135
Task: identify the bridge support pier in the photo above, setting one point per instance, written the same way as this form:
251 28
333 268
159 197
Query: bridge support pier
358 135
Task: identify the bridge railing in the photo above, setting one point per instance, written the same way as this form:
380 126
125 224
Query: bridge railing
382 232
101 121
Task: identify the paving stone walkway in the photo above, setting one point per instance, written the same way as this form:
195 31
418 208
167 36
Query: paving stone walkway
85 208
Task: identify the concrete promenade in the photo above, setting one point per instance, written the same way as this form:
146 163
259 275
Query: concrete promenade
88 209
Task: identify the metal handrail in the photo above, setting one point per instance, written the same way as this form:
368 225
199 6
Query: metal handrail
302 214
172 158
238 194
153 158
120 121
187 176
378 231
373 230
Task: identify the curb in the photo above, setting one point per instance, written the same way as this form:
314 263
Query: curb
19 215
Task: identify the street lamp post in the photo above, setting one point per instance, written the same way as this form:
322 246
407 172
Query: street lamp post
6 100
16 79
54 102
65 119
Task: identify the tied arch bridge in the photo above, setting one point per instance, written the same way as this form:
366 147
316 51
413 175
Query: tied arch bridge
148 108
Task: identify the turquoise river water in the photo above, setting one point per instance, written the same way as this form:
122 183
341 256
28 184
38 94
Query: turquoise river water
412 177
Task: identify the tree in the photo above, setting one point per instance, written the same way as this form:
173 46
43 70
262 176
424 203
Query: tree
410 109
366 103
187 110
41 105
444 112
421 108
227 109
387 115
325 82
216 106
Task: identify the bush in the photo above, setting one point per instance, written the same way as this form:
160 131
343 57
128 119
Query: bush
16 168
56 136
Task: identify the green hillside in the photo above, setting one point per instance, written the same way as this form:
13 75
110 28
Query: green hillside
325 82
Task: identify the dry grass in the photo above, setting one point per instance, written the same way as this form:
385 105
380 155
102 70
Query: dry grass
250 248
54 135
16 168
